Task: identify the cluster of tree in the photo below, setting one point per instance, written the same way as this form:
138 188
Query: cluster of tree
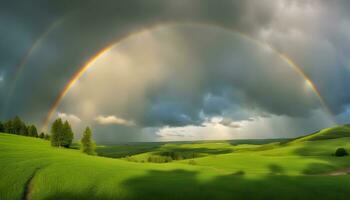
44 136
61 133
18 127
169 156
62 136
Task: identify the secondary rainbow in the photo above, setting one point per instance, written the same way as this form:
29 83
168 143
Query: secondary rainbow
36 44
89 63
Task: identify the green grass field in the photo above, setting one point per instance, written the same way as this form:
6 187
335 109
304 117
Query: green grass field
298 169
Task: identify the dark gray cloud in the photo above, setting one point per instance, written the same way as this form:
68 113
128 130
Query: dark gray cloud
82 34
205 78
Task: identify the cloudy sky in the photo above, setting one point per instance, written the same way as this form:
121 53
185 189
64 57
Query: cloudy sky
178 70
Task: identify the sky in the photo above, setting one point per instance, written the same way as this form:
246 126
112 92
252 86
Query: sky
177 70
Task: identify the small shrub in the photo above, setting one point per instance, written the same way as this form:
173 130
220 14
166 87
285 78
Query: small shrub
340 152
47 137
42 135
192 162
239 173
130 159
159 159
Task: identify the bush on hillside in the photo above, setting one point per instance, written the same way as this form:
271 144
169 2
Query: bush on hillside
340 152
192 162
180 155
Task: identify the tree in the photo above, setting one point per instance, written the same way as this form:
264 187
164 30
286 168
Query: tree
56 133
8 127
42 135
18 126
61 133
88 145
23 130
68 134
340 152
32 131
47 137
2 128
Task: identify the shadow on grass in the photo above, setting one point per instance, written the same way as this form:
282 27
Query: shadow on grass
318 168
74 196
276 169
327 162
184 184
180 184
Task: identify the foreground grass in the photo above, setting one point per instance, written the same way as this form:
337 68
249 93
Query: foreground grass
274 171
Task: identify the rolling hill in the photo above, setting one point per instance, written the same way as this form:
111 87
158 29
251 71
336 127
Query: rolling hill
300 169
328 133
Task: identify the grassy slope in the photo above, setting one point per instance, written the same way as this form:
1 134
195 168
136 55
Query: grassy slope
118 151
328 133
271 171
149 148
200 149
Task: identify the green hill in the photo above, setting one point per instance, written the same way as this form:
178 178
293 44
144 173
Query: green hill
328 133
31 169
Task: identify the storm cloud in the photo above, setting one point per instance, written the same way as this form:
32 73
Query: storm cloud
220 75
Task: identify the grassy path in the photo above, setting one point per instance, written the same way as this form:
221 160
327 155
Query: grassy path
28 187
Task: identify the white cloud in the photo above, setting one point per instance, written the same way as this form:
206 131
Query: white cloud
258 127
69 117
111 119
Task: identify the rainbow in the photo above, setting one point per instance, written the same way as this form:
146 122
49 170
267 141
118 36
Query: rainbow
90 61
74 79
310 82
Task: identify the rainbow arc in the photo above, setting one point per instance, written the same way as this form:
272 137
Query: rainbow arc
95 57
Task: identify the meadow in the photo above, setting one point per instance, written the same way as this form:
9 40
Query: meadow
302 168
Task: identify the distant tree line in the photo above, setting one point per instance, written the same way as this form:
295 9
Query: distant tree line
169 156
61 133
180 155
18 127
